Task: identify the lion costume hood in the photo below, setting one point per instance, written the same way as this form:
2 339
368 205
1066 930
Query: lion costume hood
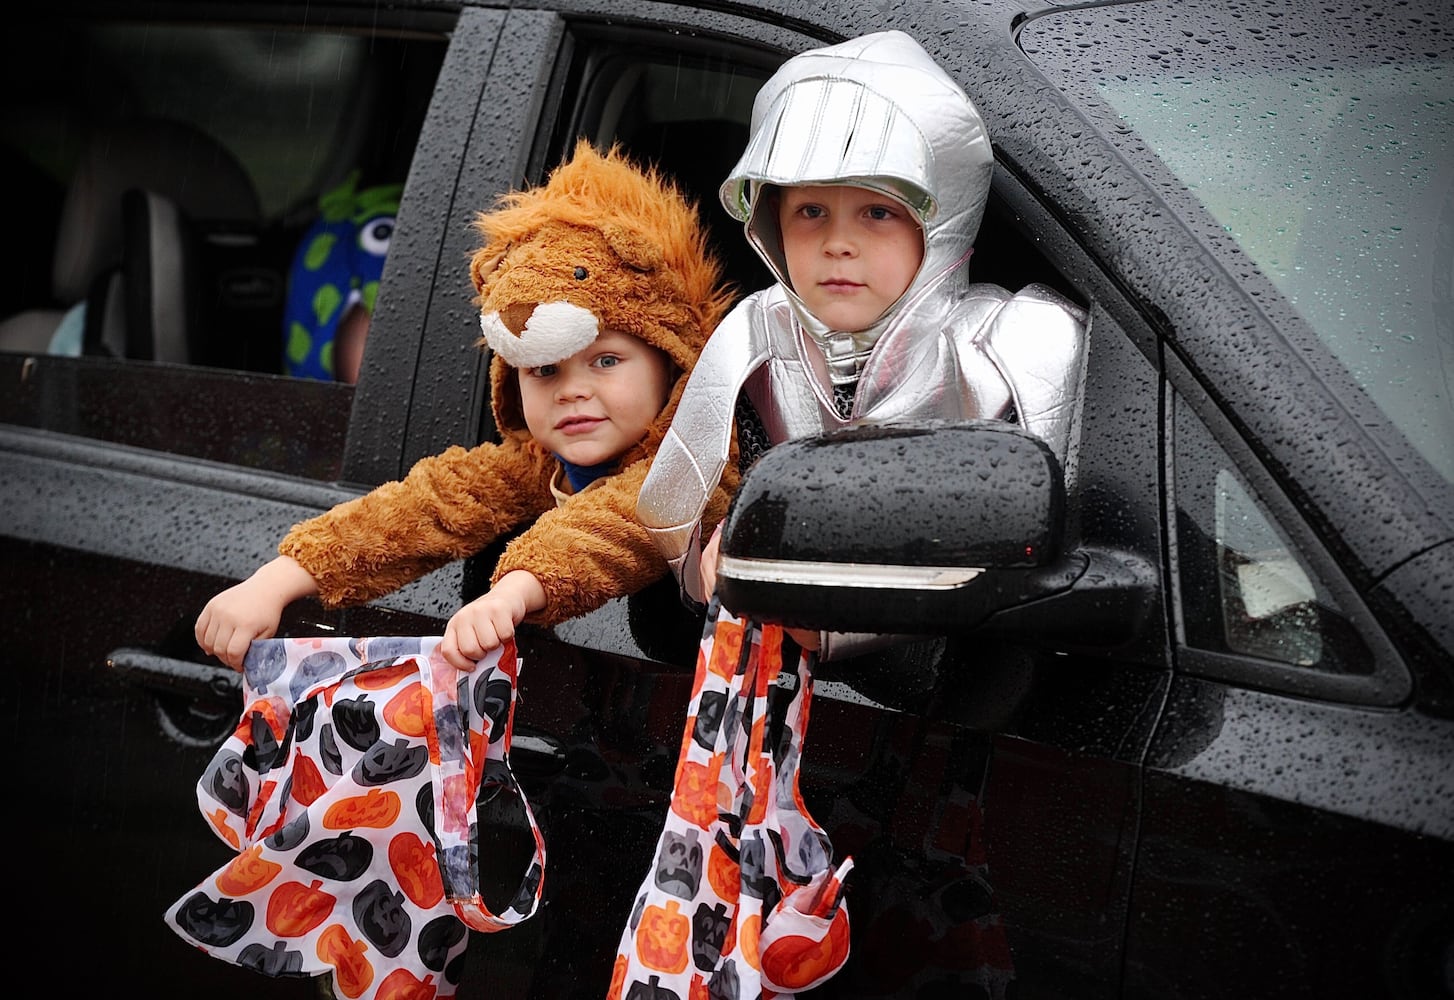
601 245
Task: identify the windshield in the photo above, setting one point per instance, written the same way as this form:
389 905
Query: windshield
1321 141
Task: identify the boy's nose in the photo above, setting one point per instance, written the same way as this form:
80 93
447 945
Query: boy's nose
572 387
837 242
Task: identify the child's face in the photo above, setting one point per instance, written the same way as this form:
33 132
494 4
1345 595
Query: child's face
598 402
850 252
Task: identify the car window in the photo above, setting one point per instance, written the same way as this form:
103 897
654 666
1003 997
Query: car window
1252 600
1327 166
678 104
207 196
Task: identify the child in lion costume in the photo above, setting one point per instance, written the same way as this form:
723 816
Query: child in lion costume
604 255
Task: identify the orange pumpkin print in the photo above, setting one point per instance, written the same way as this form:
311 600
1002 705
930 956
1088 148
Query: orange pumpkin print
308 783
695 797
726 649
294 909
760 775
661 939
384 677
683 751
751 926
247 872
771 653
459 803
416 870
402 985
794 962
219 819
618 978
377 809
409 710
255 814
351 971
277 723
697 989
724 876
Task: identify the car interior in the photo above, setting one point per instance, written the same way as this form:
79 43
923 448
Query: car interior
161 216
162 211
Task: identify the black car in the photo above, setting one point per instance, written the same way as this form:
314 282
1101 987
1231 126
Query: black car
1199 745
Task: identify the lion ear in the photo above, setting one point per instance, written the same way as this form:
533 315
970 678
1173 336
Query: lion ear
484 262
635 250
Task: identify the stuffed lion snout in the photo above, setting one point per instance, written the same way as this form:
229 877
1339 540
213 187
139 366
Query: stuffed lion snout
547 333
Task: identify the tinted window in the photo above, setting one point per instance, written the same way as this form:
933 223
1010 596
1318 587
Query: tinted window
679 105
1316 145
1259 602
183 180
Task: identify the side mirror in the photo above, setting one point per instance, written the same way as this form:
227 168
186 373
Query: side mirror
930 528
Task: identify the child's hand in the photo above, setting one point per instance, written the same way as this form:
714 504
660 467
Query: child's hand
708 575
487 621
707 570
251 610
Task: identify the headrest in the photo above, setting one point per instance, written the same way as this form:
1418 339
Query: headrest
169 158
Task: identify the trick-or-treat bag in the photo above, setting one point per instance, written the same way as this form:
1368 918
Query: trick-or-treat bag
743 899
348 790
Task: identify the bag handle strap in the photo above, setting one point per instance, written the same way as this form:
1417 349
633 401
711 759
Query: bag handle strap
473 723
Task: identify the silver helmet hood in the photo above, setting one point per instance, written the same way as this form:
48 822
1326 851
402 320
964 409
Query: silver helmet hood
875 112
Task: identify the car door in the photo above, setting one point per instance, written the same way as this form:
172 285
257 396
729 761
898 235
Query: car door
134 489
1294 837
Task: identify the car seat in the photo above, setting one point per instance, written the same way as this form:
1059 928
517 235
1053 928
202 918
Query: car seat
126 240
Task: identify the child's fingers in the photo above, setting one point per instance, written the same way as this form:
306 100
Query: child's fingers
199 630
236 649
474 631
466 642
707 569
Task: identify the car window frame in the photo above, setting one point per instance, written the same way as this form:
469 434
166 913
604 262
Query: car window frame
1388 684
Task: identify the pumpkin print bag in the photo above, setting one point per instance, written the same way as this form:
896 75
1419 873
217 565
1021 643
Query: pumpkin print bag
348 790
742 900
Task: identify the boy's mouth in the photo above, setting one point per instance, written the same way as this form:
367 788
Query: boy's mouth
578 424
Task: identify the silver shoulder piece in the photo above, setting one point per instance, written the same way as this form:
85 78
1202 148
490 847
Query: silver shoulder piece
1038 341
694 452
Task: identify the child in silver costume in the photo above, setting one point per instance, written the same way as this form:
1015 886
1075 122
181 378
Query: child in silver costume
875 114
862 187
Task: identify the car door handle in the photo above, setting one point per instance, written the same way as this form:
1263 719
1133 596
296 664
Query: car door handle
168 675
534 755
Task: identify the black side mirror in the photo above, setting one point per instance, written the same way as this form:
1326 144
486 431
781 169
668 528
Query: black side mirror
929 528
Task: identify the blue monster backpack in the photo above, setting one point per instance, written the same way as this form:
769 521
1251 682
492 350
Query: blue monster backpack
338 262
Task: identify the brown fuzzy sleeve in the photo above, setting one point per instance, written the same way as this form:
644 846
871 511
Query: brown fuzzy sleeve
592 549
448 507
588 550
